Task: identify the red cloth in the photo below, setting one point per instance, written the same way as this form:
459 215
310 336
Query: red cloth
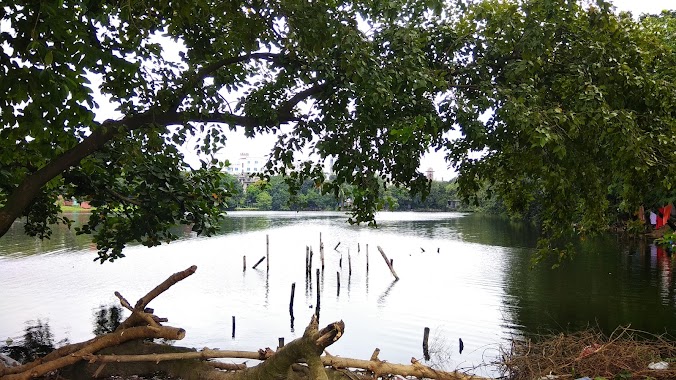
663 216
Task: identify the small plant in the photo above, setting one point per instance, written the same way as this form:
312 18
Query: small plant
667 241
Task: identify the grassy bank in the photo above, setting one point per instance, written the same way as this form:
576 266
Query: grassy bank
75 209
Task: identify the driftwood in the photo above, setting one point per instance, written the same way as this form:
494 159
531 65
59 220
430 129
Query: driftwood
389 264
380 368
124 350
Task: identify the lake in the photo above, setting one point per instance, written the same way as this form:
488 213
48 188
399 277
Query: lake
464 276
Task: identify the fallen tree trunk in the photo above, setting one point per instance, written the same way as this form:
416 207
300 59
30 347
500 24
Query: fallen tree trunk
376 366
112 339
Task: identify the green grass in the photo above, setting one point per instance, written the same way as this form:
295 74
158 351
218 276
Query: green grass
75 209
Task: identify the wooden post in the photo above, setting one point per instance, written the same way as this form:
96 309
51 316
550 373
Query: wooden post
281 342
426 336
336 247
358 248
349 263
318 296
367 258
307 261
340 262
311 254
233 326
338 280
321 251
267 252
259 261
244 263
389 263
293 293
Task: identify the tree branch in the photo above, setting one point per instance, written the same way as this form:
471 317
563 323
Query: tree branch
24 194
205 71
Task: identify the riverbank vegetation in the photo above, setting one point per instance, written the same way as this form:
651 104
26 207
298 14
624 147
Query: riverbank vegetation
624 354
275 194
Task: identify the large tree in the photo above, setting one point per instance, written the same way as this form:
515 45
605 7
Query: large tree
358 89
565 105
567 109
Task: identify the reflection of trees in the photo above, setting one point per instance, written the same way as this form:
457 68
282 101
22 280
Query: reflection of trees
607 284
37 342
106 319
15 241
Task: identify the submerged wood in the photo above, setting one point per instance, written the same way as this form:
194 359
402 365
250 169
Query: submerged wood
389 263
97 359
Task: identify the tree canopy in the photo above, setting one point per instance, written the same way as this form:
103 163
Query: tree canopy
567 105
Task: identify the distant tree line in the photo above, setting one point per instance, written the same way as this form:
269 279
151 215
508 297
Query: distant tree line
274 194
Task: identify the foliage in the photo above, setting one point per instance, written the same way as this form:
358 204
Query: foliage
668 241
564 112
562 102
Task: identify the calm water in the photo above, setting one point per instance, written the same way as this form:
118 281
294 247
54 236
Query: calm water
472 281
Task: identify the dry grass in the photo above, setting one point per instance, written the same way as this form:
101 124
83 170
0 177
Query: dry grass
626 353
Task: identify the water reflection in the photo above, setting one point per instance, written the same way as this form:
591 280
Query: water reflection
474 270
608 283
37 341
106 319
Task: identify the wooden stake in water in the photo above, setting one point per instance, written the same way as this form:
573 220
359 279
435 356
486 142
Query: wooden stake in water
259 261
340 262
307 261
367 258
293 293
349 263
233 326
244 263
389 263
318 296
426 336
336 247
338 281
311 254
267 252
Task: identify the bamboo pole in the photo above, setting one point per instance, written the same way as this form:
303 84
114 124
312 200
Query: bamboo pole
389 263
267 252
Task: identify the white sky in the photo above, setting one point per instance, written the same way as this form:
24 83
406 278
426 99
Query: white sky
261 144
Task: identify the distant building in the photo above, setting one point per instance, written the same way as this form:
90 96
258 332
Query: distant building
429 174
244 166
